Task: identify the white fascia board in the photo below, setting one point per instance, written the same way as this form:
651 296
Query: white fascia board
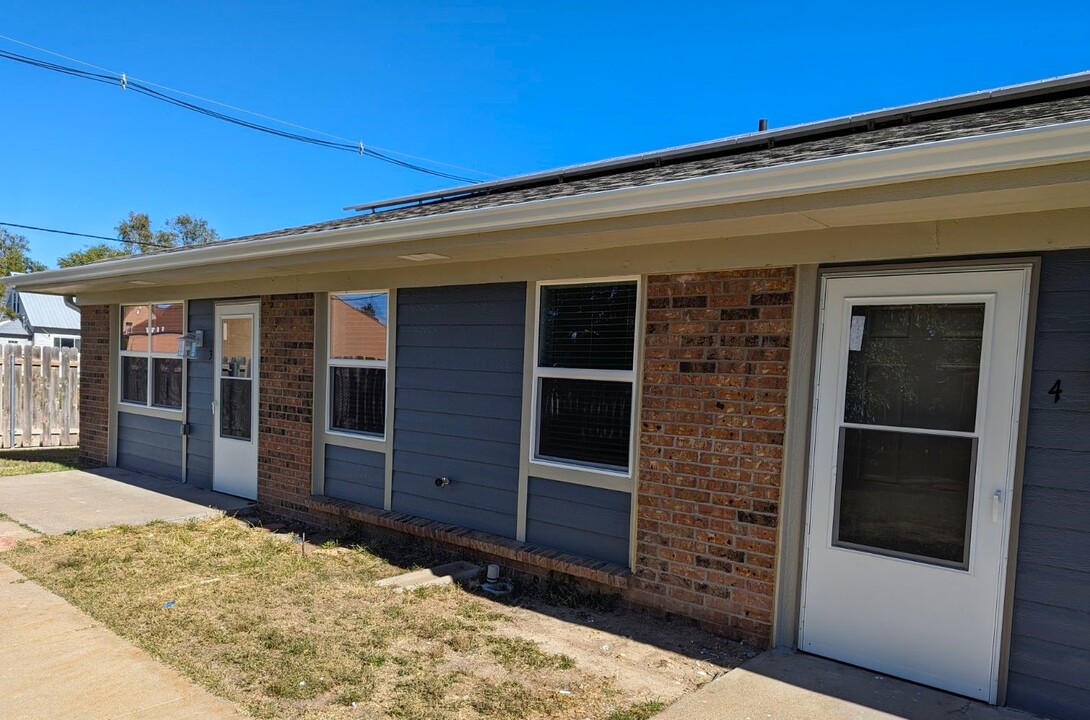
1010 150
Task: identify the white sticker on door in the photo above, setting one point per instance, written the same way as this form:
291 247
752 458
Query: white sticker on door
855 335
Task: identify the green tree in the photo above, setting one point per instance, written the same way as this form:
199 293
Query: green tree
15 258
92 253
138 236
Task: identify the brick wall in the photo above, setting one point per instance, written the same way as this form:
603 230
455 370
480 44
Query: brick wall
94 398
286 405
711 447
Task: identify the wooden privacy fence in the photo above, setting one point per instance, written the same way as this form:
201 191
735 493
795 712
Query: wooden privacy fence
39 396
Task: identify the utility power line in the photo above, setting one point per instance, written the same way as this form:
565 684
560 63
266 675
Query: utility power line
335 142
143 243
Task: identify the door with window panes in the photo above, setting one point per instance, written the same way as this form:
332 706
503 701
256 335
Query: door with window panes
914 428
235 398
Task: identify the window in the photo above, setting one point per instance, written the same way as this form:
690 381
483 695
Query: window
585 374
358 340
151 371
65 342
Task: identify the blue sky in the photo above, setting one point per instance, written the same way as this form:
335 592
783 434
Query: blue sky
501 87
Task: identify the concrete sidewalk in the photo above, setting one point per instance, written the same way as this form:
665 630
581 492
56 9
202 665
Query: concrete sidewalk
57 662
55 503
784 685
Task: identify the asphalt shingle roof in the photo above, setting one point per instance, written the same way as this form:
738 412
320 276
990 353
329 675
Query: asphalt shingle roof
981 122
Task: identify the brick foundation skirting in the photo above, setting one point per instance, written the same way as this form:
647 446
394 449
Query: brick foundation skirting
602 573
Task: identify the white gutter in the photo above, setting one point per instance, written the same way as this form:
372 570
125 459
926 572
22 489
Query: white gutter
1010 150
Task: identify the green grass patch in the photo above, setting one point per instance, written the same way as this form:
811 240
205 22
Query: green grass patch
27 461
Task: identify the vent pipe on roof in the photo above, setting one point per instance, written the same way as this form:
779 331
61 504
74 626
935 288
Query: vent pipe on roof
762 125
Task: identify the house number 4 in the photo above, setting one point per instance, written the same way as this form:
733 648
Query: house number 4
1055 391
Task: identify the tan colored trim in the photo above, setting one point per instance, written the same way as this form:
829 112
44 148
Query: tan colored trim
320 408
155 412
634 490
185 397
580 476
792 520
1007 618
113 385
526 431
668 252
391 376
358 442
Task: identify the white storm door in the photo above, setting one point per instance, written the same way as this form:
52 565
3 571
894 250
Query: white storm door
235 397
915 423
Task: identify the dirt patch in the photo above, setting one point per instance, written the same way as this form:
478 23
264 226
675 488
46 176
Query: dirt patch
12 532
646 658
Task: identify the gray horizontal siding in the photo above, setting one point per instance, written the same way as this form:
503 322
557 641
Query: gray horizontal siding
458 404
467 381
202 316
587 521
150 445
1050 634
356 475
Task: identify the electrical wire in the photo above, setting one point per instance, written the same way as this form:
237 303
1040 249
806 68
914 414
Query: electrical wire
117 74
143 243
110 77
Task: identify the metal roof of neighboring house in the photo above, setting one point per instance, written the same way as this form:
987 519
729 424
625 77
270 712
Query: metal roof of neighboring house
48 311
13 329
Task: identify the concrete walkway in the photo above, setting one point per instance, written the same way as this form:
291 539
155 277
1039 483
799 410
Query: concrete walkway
56 662
784 685
54 503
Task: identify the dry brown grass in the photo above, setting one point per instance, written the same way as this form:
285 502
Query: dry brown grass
287 636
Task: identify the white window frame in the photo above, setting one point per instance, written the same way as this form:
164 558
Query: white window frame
148 406
572 470
331 363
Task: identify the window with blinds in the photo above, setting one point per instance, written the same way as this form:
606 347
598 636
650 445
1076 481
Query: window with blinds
358 346
585 374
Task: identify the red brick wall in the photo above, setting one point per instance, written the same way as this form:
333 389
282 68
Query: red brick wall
94 398
711 447
286 406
